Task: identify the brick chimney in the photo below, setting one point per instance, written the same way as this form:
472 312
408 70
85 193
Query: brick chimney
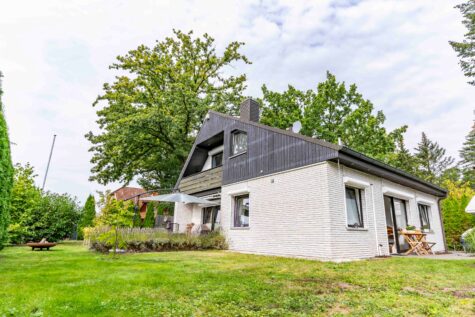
250 110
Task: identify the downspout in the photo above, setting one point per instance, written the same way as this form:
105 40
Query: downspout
340 176
442 225
378 249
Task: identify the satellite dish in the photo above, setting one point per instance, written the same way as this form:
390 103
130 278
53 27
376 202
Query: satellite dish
296 127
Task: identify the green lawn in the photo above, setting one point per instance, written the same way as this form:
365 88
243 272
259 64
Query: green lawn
72 281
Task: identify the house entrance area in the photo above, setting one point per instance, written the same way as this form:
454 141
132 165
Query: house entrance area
396 221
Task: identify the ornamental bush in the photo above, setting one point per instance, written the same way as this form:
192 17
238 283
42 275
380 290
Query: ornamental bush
102 239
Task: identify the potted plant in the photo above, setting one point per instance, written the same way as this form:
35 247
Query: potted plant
410 227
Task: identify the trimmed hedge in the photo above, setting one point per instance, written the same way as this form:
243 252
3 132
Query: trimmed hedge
151 240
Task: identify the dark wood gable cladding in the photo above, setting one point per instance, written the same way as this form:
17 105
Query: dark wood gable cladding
269 150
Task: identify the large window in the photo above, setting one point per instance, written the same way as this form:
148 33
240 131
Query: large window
238 142
217 160
424 211
241 211
354 207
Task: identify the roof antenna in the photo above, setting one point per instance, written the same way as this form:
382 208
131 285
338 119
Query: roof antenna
296 126
49 161
340 142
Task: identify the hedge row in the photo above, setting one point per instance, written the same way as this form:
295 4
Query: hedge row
147 240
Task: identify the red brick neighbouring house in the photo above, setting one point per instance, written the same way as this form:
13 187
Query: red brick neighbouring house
132 193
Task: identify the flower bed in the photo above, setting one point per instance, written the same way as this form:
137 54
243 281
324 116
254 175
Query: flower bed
102 239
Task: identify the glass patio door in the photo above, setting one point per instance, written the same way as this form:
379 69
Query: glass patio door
212 217
396 220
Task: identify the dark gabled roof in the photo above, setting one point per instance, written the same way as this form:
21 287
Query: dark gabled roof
281 131
346 156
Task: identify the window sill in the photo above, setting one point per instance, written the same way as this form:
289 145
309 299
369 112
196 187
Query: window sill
236 155
239 228
356 229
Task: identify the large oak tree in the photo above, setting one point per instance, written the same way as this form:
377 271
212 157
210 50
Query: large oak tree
333 111
156 105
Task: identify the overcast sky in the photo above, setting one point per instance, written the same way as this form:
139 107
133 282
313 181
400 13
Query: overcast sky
55 57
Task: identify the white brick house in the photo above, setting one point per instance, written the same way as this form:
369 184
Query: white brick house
281 193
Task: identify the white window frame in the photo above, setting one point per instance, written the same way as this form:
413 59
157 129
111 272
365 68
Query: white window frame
429 216
362 186
233 194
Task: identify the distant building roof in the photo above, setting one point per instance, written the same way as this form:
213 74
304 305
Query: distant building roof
124 193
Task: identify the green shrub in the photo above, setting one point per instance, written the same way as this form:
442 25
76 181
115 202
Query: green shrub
151 239
35 214
456 220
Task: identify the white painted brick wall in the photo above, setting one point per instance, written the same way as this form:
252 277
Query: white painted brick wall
356 244
288 217
302 213
349 243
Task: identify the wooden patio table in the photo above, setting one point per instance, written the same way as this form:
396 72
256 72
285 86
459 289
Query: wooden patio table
417 242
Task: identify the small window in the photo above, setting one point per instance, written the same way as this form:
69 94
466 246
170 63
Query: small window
238 142
241 211
354 207
217 160
424 212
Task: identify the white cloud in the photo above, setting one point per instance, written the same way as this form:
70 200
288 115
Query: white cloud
55 57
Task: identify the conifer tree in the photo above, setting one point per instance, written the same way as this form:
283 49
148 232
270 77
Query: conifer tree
467 153
431 160
466 48
6 174
88 214
402 158
149 220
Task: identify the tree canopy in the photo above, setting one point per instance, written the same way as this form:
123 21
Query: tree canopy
466 49
155 107
6 173
333 111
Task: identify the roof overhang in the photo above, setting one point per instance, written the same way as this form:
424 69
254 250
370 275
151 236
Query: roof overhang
358 161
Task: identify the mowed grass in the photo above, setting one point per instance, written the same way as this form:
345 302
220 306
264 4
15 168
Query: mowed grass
72 281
